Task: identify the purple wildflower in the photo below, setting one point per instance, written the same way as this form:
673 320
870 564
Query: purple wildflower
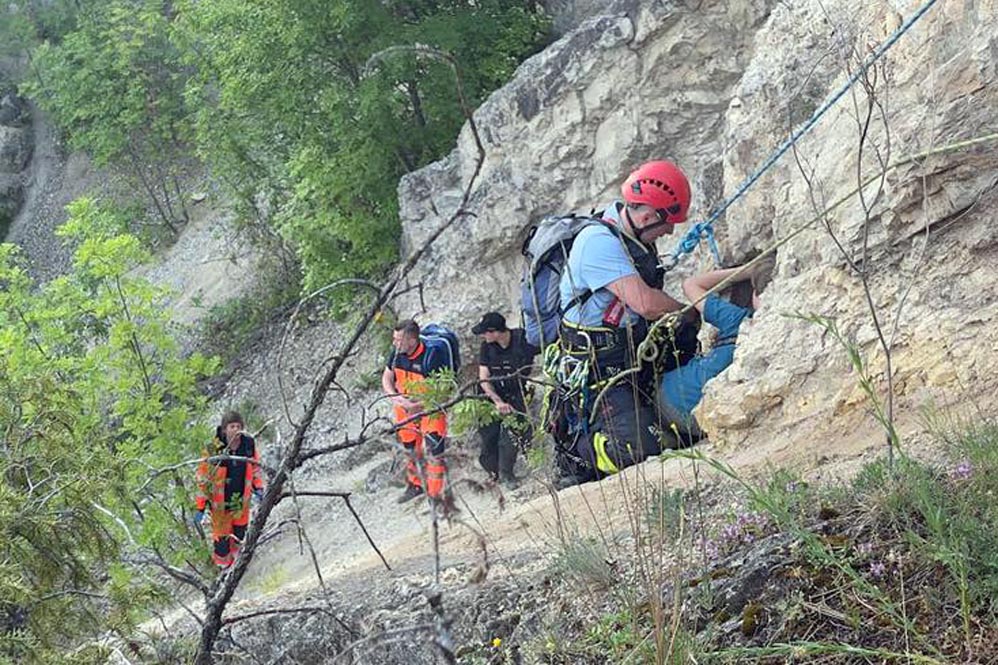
745 529
709 547
878 569
962 471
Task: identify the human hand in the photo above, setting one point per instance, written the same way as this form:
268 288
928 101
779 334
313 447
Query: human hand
504 408
406 403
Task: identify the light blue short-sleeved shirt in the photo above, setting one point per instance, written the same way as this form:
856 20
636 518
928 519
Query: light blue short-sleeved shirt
682 388
598 258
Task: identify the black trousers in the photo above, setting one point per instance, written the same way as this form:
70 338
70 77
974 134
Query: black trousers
622 433
500 445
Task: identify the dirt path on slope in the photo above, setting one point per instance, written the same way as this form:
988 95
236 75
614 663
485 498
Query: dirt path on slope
53 181
527 526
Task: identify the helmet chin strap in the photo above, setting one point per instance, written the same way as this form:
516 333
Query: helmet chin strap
639 232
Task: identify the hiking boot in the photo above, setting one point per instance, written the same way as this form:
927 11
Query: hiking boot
411 492
567 480
510 482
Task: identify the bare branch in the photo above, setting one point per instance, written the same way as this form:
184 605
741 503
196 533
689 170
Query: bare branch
360 523
353 281
226 585
321 609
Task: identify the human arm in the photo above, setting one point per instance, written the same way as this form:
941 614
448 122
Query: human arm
649 303
696 287
483 380
258 484
604 263
392 392
202 483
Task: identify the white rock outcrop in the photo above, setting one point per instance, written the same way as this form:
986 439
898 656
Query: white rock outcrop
716 88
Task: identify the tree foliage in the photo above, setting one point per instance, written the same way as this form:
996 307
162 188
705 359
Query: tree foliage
99 409
279 100
26 24
114 84
287 105
94 394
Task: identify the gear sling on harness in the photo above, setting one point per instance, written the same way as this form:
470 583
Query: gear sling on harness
583 362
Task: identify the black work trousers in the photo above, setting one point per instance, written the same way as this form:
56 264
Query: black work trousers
500 445
622 433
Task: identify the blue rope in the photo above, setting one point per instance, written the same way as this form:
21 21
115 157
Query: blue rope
705 229
690 241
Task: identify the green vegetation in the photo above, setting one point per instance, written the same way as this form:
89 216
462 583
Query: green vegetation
26 24
288 105
301 108
584 562
307 115
229 328
114 84
898 564
94 398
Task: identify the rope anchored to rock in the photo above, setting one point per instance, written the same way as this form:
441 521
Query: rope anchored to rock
705 230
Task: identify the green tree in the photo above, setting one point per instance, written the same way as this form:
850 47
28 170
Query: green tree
25 25
114 84
94 396
287 107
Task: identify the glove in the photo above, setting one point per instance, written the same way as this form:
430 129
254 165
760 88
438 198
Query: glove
198 519
258 495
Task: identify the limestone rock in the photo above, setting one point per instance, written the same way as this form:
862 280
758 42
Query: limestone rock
11 197
15 149
14 111
717 90
619 89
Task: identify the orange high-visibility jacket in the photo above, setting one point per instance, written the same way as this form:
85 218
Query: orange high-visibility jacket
410 372
212 476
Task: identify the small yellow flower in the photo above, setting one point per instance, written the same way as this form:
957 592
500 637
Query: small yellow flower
496 642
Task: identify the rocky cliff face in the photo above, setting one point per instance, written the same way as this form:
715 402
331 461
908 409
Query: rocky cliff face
716 88
15 154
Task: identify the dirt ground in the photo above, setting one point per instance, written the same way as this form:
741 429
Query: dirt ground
521 530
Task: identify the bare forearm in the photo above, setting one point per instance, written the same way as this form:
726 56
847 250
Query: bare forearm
696 287
661 304
483 380
648 302
388 384
709 280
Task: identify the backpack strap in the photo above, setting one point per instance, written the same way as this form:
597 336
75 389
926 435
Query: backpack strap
629 244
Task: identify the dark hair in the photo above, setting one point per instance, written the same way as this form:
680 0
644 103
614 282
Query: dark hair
409 327
754 280
740 293
230 417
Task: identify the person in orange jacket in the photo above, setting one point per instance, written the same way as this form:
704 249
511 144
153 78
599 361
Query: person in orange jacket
403 381
225 487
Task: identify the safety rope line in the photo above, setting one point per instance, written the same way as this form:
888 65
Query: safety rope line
671 317
705 229
699 231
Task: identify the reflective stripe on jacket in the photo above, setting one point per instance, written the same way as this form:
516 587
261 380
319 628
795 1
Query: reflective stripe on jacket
212 475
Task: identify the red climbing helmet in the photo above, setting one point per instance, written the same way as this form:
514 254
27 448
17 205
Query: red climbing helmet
661 185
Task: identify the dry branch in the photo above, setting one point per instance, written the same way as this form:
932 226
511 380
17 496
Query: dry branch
225 586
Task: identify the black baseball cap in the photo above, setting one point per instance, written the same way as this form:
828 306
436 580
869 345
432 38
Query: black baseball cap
491 321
